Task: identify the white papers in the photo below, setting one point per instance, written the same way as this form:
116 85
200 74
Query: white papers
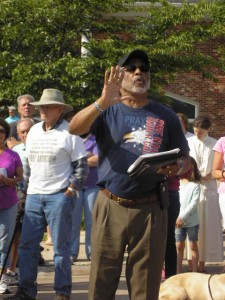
3 172
153 157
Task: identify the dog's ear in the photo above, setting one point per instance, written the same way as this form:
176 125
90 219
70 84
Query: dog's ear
222 277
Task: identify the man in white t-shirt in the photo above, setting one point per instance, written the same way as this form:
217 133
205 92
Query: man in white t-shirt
56 167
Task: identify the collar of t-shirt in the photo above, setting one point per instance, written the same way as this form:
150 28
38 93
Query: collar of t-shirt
55 125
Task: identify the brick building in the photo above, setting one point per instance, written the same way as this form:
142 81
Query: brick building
190 93
196 95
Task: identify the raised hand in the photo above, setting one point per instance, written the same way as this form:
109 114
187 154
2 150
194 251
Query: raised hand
111 90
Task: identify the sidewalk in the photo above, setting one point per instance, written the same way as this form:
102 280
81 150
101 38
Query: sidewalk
80 276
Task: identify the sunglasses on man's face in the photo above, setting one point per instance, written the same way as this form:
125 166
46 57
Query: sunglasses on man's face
132 68
2 130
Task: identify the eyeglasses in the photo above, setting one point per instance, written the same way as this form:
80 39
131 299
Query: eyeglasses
2 130
132 68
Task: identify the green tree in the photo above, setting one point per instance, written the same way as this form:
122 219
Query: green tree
173 35
40 44
41 41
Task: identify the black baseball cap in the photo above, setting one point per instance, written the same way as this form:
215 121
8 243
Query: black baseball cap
134 54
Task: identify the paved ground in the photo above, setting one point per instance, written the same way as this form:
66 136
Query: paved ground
80 272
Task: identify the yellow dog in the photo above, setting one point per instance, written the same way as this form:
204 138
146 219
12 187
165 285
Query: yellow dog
193 286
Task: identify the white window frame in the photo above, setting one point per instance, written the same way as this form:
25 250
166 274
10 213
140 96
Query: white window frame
186 100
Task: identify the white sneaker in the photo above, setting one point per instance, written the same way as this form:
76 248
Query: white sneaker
4 289
12 278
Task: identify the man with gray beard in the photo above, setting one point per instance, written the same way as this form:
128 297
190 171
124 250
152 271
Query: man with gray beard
130 212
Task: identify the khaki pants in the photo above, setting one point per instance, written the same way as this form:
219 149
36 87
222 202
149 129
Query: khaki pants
143 230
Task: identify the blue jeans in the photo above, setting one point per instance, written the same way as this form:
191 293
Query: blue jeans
7 225
182 233
85 201
40 210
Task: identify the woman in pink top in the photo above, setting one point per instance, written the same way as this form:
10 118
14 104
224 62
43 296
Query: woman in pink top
11 173
218 173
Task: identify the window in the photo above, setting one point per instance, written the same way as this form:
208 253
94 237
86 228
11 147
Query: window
183 105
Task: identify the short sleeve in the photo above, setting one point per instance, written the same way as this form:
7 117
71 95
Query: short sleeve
220 145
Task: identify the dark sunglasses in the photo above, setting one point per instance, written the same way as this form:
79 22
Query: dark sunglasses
2 130
132 68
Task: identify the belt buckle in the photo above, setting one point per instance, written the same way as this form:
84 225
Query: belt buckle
119 200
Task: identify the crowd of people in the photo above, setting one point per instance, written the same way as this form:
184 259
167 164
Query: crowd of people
55 171
208 214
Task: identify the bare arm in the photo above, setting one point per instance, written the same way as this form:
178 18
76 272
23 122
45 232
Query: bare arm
92 161
218 166
82 121
12 142
14 180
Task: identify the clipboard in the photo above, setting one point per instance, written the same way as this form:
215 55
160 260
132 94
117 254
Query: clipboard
148 164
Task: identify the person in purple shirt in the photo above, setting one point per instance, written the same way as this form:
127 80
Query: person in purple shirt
85 201
11 173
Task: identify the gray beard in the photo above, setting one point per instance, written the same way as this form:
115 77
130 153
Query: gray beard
135 89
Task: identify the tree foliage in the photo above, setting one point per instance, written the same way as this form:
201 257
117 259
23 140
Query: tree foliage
40 42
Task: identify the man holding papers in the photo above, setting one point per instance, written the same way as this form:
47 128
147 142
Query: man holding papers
149 163
130 212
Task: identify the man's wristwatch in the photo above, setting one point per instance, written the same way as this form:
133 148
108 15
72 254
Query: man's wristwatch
72 190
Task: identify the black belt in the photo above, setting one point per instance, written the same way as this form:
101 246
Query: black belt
128 202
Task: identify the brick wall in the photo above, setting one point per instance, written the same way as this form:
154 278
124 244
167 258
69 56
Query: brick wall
208 94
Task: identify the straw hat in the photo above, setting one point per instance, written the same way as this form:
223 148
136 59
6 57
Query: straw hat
52 97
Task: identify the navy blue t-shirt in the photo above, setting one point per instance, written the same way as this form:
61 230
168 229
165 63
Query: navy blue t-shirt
123 134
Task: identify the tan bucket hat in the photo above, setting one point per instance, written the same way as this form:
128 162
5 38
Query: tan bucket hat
50 97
